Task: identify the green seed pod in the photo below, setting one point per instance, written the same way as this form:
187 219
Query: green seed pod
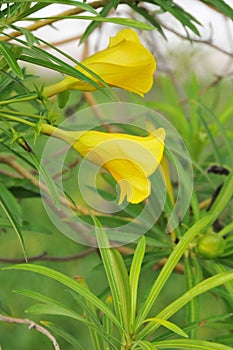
211 245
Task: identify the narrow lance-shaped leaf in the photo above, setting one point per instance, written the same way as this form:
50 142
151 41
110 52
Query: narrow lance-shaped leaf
117 276
134 275
91 316
220 203
65 335
169 325
221 6
128 22
12 211
44 176
200 288
93 25
143 345
10 59
69 282
78 4
191 344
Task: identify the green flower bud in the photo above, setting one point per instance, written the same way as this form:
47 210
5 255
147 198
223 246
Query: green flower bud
211 245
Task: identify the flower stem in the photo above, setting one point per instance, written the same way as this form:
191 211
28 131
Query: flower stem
17 119
54 89
21 99
10 112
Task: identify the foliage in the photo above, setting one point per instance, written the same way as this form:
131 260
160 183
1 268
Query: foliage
113 306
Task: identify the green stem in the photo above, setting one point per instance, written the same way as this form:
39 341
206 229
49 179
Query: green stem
9 112
16 100
16 119
46 129
68 136
54 89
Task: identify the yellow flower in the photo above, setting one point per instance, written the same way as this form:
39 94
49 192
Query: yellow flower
129 159
125 63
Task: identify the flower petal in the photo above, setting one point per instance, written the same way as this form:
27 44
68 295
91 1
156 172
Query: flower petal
125 63
133 182
129 159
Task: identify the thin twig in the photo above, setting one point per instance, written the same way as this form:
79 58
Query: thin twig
10 160
43 256
64 171
199 41
10 174
62 42
96 110
75 226
206 88
59 17
179 268
31 325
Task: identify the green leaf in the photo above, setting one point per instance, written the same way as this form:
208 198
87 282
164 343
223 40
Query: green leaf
115 3
169 325
170 264
200 288
221 128
10 59
4 307
69 282
44 176
30 38
62 333
190 344
13 213
181 15
221 202
192 277
224 339
52 307
128 22
107 323
89 310
117 276
63 98
214 268
37 56
81 5
213 322
49 309
144 13
93 25
91 316
222 6
144 345
134 276
19 187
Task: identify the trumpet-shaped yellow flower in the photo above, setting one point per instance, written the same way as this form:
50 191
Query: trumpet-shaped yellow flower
125 63
129 159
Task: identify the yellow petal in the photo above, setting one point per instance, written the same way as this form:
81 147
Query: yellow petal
125 63
133 182
129 159
124 34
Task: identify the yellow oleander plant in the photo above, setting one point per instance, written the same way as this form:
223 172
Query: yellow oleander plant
126 276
